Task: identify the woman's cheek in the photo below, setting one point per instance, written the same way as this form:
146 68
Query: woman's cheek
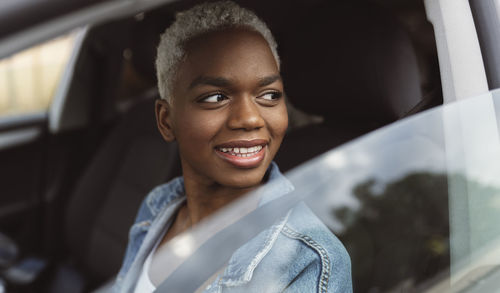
278 122
202 126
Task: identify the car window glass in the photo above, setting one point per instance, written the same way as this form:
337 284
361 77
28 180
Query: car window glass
415 204
28 79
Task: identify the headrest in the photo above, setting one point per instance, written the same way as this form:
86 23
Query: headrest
145 36
350 62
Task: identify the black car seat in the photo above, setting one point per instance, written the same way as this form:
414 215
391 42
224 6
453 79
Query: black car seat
130 162
366 76
133 159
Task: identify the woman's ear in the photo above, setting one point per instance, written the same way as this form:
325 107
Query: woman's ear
164 119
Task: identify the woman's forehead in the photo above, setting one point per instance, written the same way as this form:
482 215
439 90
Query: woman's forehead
229 54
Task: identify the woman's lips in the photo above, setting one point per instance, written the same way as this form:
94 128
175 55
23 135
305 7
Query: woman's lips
243 154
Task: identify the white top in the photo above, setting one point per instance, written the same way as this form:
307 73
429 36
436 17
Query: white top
144 284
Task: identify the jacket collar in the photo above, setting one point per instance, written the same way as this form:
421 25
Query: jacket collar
164 195
279 186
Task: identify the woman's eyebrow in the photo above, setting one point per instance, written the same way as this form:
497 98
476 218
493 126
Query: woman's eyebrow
224 82
269 80
207 80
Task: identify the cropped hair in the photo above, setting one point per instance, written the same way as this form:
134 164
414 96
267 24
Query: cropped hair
200 19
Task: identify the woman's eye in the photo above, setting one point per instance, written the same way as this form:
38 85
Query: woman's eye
272 96
213 98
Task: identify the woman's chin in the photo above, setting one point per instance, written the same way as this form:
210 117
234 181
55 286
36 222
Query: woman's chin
244 178
242 183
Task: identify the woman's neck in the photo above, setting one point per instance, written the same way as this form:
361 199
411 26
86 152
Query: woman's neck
202 201
205 199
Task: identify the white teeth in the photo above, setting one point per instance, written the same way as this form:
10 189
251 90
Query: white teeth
242 152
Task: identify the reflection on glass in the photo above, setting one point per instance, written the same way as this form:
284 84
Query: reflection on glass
404 226
416 204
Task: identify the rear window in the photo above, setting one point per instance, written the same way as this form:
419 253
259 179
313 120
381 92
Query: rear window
29 78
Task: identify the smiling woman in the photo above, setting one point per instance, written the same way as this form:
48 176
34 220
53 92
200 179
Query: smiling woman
223 103
227 95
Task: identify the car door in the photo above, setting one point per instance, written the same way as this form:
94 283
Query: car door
39 45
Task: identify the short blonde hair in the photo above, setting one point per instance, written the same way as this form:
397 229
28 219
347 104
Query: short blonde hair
200 19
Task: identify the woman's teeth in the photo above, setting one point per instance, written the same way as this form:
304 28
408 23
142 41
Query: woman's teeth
242 152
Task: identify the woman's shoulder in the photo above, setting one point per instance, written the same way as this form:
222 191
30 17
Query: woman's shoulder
297 254
302 224
318 252
160 197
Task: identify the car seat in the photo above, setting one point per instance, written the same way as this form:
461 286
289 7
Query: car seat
131 161
107 197
366 76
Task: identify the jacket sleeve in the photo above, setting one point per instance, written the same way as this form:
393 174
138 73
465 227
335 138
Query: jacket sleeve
329 265
328 269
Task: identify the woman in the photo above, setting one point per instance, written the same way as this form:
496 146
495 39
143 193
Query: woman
223 103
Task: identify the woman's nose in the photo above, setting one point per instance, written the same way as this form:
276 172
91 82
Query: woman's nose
245 115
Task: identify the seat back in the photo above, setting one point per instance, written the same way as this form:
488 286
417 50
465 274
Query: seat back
353 65
132 160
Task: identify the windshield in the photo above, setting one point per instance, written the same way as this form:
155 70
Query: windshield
416 204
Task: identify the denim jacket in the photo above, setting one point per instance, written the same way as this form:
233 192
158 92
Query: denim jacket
296 254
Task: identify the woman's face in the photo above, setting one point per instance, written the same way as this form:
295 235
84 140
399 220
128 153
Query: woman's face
227 112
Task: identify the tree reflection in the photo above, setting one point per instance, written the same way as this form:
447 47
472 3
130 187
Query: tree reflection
399 236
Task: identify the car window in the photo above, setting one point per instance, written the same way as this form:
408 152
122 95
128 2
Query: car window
360 211
28 79
416 205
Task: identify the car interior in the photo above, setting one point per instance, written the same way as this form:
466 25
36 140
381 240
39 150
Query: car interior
349 67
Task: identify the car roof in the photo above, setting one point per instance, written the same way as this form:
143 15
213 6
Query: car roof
18 15
27 22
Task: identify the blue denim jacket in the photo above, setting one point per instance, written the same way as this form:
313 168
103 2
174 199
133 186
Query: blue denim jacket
296 254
